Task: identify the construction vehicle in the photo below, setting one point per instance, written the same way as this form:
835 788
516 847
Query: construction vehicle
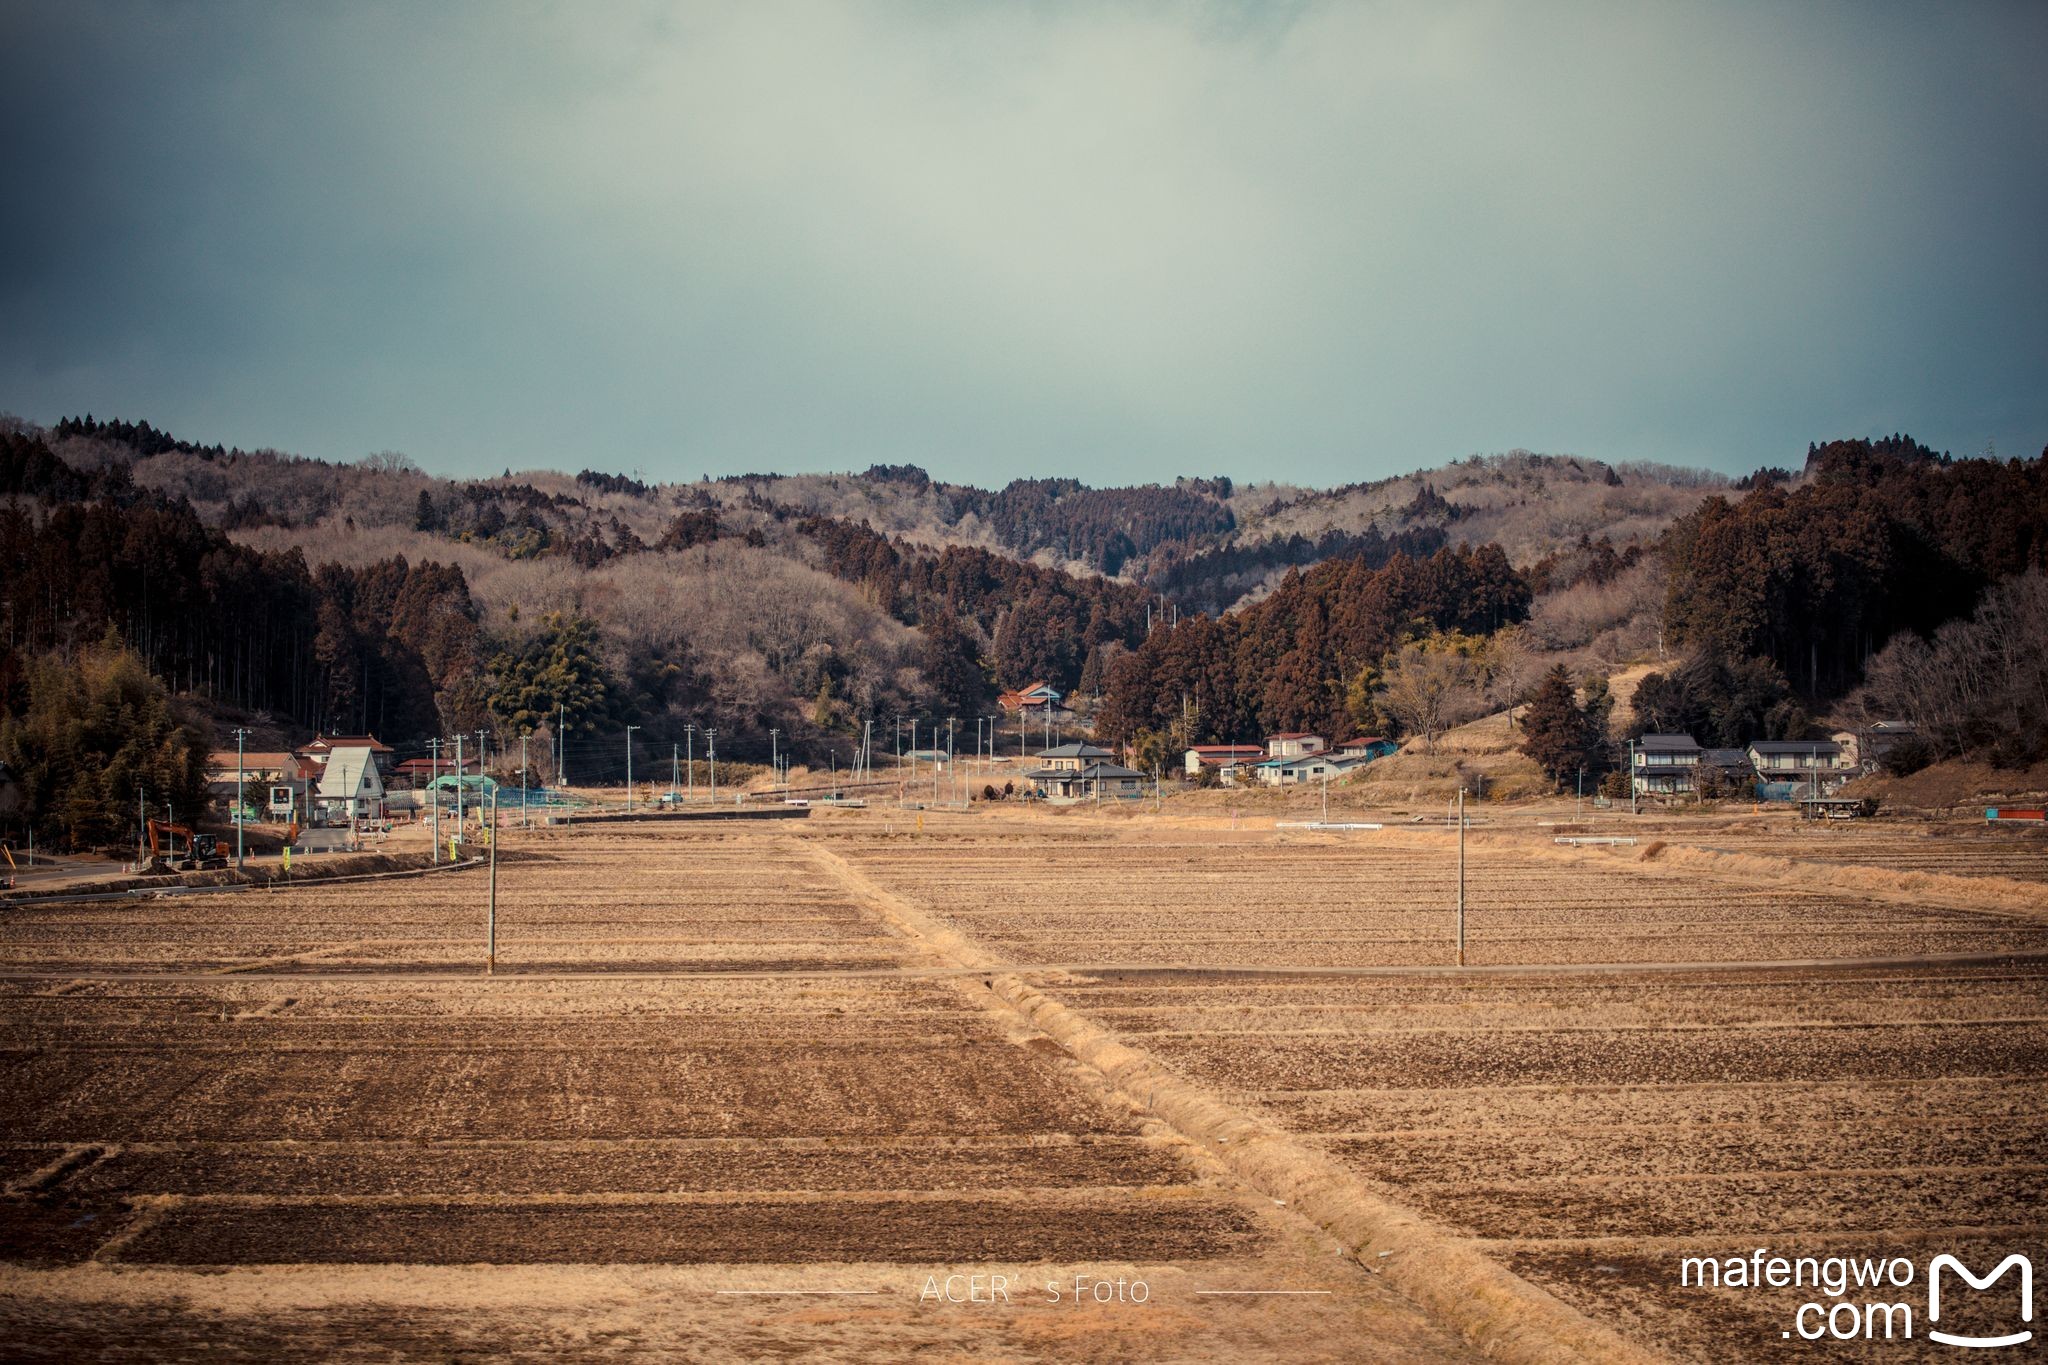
199 853
7 882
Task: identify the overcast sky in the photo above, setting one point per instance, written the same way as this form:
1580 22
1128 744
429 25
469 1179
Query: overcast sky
1119 241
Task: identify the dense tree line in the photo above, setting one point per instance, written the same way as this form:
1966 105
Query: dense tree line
1293 660
1977 686
1722 703
94 734
1213 580
1101 527
1039 624
370 648
143 438
1883 537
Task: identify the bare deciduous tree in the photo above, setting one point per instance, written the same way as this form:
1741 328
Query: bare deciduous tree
1429 686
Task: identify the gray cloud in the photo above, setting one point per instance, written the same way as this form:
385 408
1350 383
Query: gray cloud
1316 242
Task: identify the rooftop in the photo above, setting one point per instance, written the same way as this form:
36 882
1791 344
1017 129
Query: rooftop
225 759
1794 746
322 743
1075 751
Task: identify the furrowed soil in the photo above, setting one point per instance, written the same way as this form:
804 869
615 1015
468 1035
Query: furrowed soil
710 1105
741 1091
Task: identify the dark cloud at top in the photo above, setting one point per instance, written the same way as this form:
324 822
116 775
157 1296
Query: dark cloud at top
1315 243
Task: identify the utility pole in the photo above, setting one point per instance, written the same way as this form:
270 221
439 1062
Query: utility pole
1631 777
434 791
913 748
774 751
241 738
711 749
524 805
675 764
460 778
562 741
491 922
1461 876
690 752
629 767
483 757
141 828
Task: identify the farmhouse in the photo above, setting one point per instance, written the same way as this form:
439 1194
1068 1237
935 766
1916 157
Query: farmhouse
1071 757
274 781
323 747
1221 756
1367 746
1864 749
1316 767
1665 765
1038 696
1294 743
349 787
1082 772
1816 764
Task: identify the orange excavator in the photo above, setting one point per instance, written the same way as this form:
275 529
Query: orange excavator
199 852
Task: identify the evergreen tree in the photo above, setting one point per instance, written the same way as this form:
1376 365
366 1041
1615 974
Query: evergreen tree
952 667
1557 732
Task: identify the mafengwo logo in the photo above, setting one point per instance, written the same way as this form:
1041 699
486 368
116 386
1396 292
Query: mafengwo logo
2012 1262
1854 1286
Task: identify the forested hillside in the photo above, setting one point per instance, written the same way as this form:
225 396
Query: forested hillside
372 596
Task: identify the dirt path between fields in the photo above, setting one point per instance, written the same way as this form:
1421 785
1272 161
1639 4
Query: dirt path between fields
1498 1312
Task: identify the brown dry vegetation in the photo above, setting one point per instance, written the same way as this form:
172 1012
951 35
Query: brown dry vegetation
854 1052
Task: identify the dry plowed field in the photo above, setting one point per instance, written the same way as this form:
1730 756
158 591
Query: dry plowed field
740 1092
2014 852
1587 1128
712 1105
1388 899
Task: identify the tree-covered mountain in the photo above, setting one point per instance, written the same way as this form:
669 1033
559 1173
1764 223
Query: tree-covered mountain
372 596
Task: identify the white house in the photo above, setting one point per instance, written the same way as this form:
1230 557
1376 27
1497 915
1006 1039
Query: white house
1288 772
1295 743
350 786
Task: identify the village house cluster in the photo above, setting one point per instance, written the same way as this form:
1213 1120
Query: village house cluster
336 780
1287 759
1675 766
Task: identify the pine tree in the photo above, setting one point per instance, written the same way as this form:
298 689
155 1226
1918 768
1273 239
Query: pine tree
1556 731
